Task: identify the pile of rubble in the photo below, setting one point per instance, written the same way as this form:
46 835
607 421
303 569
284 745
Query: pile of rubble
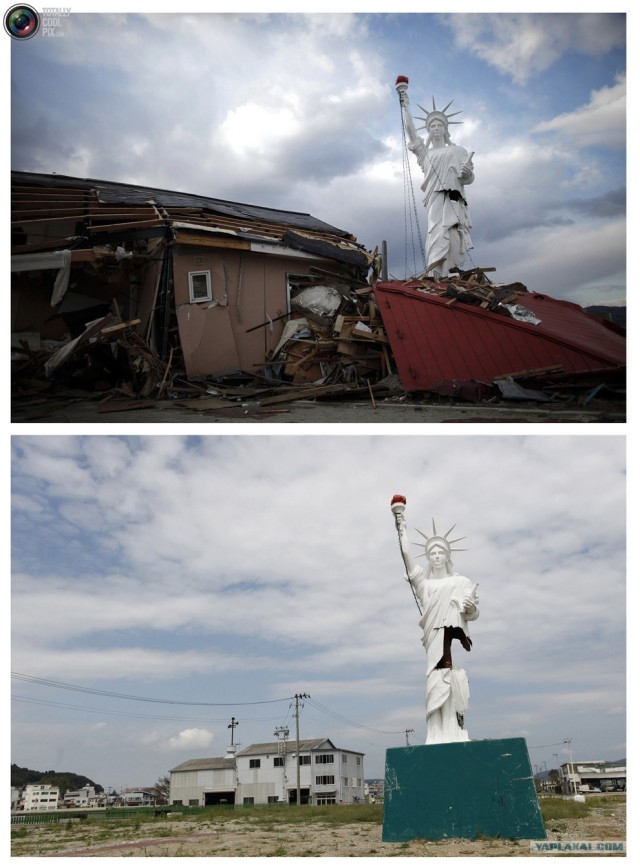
333 346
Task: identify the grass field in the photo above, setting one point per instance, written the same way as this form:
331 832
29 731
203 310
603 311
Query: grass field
347 830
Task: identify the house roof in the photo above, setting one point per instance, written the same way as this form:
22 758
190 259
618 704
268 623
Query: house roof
270 748
291 746
435 340
104 207
205 764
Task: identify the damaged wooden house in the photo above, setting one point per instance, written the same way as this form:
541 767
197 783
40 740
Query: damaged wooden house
117 283
141 293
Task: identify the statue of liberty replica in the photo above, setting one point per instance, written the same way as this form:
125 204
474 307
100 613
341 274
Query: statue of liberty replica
453 786
447 602
447 170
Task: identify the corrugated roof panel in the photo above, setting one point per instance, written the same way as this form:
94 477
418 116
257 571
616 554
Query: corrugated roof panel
434 340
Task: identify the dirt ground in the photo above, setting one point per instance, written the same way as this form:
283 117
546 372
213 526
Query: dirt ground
71 409
256 838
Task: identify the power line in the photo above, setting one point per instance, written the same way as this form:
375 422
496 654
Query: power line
86 690
347 721
24 700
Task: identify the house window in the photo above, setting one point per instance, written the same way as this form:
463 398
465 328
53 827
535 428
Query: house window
345 782
271 799
254 763
248 801
344 759
358 761
304 759
325 780
324 759
278 762
200 286
326 801
194 802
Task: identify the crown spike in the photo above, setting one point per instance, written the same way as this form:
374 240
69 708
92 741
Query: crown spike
442 540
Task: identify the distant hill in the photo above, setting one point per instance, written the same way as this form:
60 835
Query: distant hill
617 315
21 776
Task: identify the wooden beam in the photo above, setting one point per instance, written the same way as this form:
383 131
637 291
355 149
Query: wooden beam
211 241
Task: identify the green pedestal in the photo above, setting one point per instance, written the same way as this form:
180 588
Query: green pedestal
461 791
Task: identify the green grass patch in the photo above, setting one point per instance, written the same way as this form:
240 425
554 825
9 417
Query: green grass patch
554 808
270 818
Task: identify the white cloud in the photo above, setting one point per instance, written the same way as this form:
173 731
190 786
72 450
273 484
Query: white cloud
521 45
192 739
601 123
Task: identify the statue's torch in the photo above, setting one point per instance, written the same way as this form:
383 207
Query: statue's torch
398 503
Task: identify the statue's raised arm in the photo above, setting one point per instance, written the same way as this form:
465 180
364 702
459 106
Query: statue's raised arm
397 507
402 86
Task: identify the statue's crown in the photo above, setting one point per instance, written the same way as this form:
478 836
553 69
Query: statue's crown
438 114
443 541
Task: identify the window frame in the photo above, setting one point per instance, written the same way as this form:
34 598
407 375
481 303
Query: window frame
207 276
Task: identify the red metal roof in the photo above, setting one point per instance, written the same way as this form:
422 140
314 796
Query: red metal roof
434 340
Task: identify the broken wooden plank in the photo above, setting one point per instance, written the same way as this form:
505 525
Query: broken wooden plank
305 394
120 326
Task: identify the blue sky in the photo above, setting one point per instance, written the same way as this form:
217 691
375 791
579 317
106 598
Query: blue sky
239 570
299 111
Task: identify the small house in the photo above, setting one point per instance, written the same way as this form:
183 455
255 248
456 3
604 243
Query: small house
204 283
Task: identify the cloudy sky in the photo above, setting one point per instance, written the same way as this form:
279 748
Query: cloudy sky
215 577
299 112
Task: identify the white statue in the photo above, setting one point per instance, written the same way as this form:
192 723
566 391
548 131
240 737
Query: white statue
447 602
447 169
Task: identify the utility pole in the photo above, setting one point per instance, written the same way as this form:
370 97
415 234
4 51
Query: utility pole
573 775
406 734
234 724
282 733
298 699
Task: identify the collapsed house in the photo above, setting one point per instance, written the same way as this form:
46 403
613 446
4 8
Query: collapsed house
106 276
141 293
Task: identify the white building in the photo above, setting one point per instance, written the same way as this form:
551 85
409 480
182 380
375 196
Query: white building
268 773
136 797
203 782
40 798
83 798
589 776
